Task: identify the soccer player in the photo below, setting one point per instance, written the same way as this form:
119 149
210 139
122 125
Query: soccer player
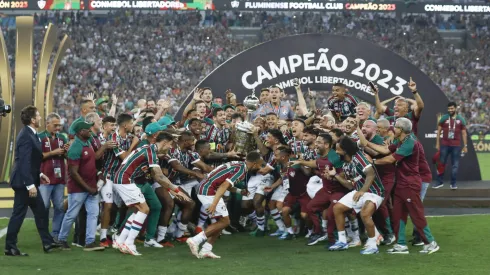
211 191
330 193
366 197
452 126
342 104
405 152
294 179
135 166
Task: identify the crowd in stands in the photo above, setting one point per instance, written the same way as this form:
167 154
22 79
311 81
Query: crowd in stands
166 55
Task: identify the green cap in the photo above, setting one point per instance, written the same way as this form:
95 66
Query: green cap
101 100
227 106
81 125
153 128
166 120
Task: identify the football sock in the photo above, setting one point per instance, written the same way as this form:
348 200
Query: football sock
127 227
138 222
162 231
277 219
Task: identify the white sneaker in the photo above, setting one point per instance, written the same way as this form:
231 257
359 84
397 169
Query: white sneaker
193 247
131 249
398 249
153 243
355 243
225 232
430 248
208 254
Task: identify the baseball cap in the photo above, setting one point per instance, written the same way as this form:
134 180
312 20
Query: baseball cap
81 125
166 120
153 128
101 100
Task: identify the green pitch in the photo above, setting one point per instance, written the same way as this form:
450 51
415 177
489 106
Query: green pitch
484 161
464 245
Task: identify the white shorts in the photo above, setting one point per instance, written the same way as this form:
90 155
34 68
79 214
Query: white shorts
252 185
266 181
279 194
157 185
314 185
187 186
221 210
130 193
348 200
107 191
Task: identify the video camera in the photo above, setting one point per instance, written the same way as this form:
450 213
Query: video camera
4 109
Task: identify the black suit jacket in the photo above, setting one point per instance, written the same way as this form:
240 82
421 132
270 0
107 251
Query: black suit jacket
28 158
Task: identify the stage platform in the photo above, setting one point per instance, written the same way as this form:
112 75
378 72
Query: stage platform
474 196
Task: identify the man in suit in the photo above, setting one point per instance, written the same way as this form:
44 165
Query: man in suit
25 180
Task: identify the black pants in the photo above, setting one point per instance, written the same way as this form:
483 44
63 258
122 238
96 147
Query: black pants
80 227
22 201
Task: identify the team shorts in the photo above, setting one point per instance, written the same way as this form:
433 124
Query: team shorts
279 194
348 200
314 185
187 186
252 185
303 201
107 191
130 193
221 210
266 181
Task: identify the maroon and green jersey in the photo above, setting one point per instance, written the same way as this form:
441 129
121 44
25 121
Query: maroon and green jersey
233 172
342 108
137 164
54 168
295 180
411 115
112 159
186 159
355 171
82 155
451 129
332 159
407 155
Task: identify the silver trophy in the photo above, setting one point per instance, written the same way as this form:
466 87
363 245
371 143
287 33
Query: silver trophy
244 141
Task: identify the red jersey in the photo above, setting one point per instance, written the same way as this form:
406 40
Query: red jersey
331 160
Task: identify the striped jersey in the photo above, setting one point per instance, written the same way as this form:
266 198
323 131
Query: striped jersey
354 171
186 158
342 108
112 159
301 149
233 172
137 164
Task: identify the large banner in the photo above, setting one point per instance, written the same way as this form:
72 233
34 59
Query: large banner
319 61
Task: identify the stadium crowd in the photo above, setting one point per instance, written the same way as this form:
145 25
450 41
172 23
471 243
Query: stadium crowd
164 56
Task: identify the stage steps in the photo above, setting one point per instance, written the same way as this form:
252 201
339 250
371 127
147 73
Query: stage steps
468 195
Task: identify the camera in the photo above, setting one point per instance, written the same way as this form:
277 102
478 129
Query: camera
4 109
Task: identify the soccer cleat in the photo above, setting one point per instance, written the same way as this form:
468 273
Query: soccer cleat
123 249
338 246
438 185
398 249
388 239
430 248
131 250
153 243
208 254
258 233
115 244
370 251
323 237
355 243
105 243
166 243
314 239
277 233
181 239
296 229
225 232
453 187
379 239
286 236
193 247
198 230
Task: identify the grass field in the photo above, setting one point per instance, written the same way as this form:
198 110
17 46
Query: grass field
464 245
